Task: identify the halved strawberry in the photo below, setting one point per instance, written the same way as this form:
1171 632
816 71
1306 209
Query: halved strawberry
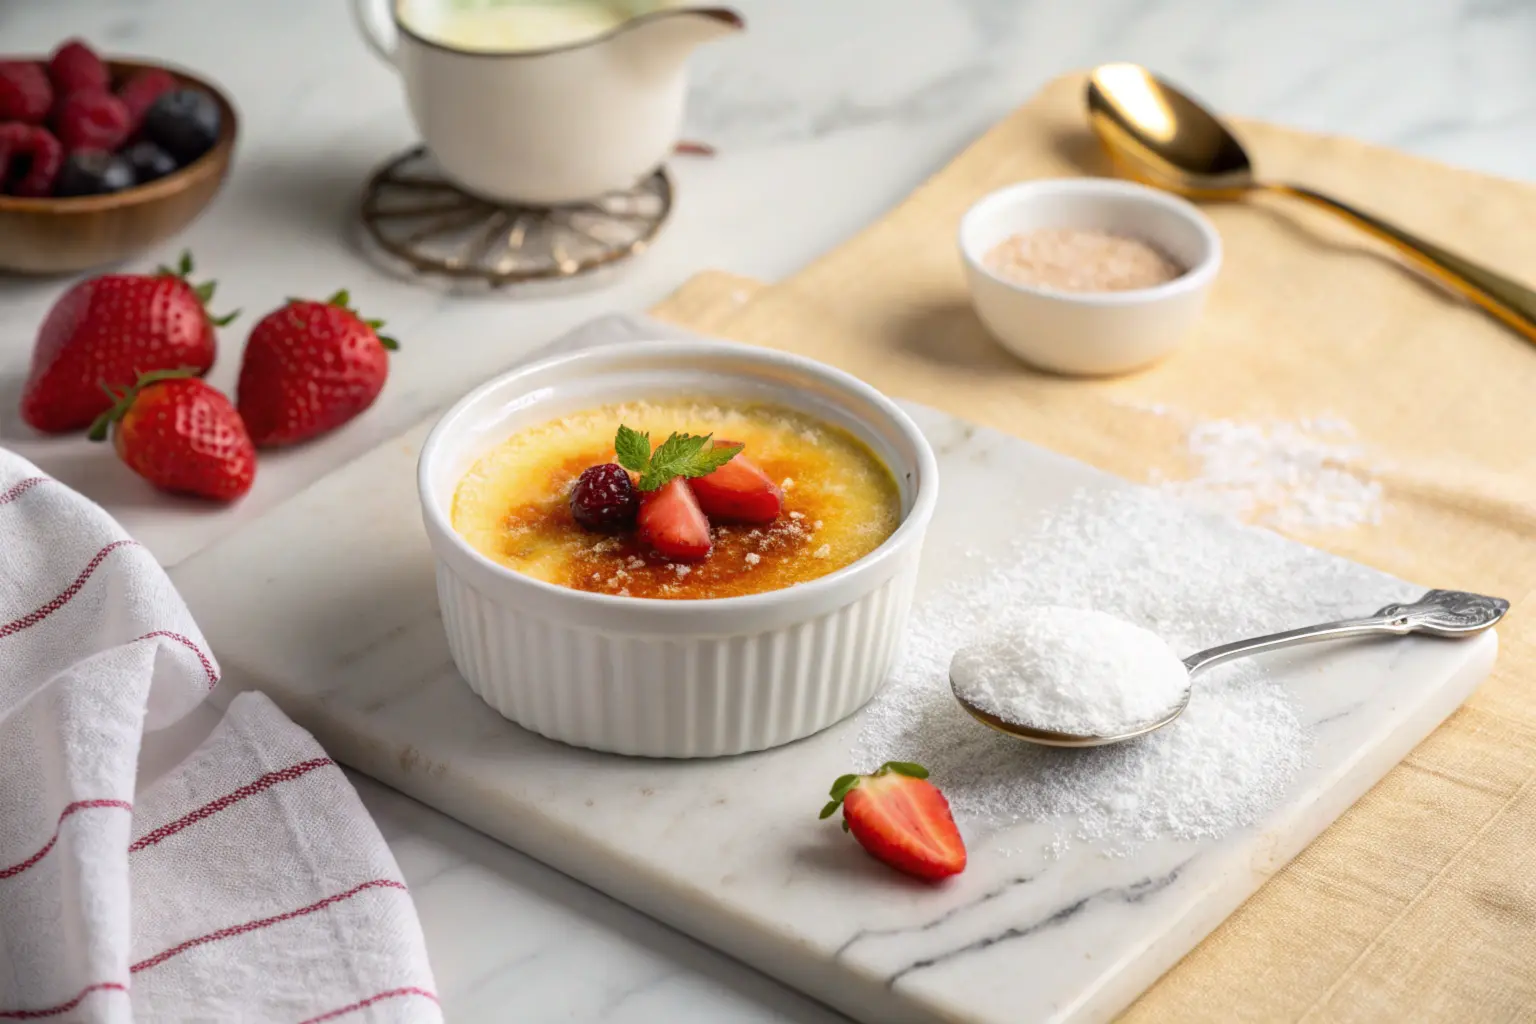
738 492
901 819
672 522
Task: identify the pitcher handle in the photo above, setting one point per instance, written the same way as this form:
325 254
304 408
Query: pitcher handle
377 26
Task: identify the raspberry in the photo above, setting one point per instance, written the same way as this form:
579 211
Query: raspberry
604 499
25 94
74 67
35 159
140 92
92 120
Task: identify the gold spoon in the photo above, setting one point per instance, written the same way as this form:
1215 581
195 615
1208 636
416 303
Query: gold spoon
1445 613
1162 137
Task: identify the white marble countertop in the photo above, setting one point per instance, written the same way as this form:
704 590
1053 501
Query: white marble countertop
824 115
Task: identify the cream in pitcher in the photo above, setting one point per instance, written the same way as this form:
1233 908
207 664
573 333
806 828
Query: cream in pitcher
500 26
540 101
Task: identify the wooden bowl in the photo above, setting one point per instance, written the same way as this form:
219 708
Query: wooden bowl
61 236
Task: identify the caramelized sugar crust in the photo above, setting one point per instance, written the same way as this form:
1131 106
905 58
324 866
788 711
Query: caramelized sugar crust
840 502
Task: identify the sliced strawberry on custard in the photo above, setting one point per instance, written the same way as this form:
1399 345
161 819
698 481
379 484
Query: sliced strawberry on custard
670 519
672 522
738 492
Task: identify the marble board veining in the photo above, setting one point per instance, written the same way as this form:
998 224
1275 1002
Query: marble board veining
328 605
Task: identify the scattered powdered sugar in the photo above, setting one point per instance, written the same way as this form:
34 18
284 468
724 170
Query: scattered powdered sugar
1296 476
1293 476
1071 671
1192 578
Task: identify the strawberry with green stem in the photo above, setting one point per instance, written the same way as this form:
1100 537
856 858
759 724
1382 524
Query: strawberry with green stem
106 331
308 368
900 818
181 434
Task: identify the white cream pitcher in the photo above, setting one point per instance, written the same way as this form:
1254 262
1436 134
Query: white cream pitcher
543 102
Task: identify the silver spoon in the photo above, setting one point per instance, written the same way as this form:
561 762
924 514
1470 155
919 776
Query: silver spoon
1444 613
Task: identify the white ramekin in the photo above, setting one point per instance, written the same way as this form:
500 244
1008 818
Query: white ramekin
660 678
1090 333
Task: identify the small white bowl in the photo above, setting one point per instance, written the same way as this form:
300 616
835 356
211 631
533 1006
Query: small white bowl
1090 333
687 678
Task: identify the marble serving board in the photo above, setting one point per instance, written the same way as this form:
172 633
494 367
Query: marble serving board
328 605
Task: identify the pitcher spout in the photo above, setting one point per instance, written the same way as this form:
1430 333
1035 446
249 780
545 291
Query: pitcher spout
663 39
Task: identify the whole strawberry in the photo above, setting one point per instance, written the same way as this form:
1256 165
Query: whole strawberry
309 367
182 435
104 332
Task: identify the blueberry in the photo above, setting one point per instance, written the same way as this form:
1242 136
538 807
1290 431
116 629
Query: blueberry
148 161
90 171
184 123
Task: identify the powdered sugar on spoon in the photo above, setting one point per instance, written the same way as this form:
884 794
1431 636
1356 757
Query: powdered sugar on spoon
1066 677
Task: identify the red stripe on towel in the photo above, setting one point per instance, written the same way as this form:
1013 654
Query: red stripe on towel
54 1011
257 925
21 488
363 1004
78 805
213 807
33 618
213 677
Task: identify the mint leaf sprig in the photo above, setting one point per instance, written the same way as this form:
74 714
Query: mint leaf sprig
684 455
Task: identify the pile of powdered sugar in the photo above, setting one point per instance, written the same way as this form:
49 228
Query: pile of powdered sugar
1070 670
1192 578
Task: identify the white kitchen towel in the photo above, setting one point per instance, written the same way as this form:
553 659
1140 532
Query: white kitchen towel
248 883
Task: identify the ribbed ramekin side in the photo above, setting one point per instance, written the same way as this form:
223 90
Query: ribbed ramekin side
675 696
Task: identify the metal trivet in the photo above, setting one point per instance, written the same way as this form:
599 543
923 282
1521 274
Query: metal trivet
414 214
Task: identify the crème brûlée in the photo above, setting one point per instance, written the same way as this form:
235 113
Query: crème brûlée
837 502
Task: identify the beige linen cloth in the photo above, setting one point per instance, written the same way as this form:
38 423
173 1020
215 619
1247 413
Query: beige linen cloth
1420 902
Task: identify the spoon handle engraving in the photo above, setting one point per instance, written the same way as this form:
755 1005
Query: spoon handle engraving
1508 300
1447 613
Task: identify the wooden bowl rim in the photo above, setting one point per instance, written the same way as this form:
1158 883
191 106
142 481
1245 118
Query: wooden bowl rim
209 163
